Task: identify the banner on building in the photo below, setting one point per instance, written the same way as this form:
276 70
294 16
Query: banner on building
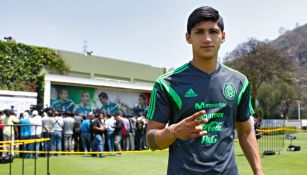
84 100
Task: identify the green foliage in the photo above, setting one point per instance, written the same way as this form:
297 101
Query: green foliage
276 98
260 62
294 44
22 66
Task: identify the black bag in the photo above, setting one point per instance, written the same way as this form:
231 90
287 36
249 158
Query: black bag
294 148
269 153
6 159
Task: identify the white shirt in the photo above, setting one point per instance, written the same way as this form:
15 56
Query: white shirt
48 123
36 120
110 124
68 125
58 125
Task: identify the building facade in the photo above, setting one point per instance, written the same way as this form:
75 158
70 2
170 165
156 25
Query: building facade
94 82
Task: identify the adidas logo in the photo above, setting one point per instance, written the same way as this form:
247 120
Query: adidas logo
190 93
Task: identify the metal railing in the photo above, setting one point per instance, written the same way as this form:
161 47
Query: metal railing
26 140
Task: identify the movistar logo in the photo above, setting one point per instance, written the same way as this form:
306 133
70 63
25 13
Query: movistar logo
190 93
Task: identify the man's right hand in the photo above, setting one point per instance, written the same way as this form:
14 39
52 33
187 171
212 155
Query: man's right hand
189 127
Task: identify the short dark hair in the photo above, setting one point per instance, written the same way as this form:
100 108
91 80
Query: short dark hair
7 112
204 13
103 95
116 114
84 92
142 96
61 90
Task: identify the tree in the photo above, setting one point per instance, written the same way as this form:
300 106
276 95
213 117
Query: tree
260 62
277 98
21 67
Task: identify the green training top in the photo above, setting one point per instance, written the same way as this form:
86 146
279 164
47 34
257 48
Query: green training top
224 95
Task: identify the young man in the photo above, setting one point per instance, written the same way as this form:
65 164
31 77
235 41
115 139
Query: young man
118 132
77 131
202 102
86 134
141 108
84 107
56 137
25 131
107 107
9 119
48 123
36 133
64 104
68 130
98 131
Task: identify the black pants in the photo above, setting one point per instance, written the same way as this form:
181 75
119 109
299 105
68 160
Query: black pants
77 141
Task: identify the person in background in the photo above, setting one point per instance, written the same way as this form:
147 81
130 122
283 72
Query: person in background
118 132
77 131
126 133
25 131
36 132
85 134
68 127
98 132
91 119
56 139
110 127
48 123
8 131
1 131
140 133
132 121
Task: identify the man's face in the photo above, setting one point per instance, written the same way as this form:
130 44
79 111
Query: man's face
206 38
117 117
85 98
64 95
103 100
141 101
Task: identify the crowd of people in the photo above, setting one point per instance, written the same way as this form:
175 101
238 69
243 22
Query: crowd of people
95 132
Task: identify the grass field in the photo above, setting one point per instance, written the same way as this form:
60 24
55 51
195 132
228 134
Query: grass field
154 163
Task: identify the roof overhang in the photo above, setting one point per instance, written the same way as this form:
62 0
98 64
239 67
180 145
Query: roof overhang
18 93
110 83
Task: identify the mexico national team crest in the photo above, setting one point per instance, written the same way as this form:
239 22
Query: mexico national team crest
229 91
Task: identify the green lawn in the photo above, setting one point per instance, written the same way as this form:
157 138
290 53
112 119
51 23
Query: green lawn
155 163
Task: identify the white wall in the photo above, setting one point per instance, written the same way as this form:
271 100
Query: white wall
304 122
20 100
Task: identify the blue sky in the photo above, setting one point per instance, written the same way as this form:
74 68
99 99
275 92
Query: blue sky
145 31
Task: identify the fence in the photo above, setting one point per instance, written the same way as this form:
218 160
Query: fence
272 138
9 144
272 134
29 146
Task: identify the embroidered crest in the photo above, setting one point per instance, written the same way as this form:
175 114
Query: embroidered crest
229 91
